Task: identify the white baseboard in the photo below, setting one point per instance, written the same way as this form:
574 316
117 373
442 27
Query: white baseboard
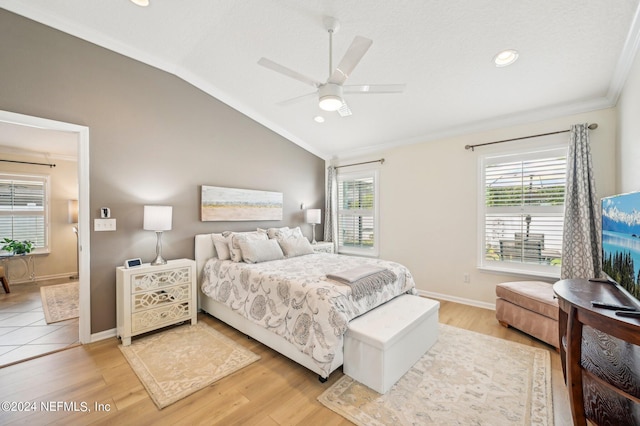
102 335
461 300
66 275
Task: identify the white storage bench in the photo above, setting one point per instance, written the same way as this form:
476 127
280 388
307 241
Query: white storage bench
382 345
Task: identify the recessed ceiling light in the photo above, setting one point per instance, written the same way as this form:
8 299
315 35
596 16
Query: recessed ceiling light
143 3
318 119
506 57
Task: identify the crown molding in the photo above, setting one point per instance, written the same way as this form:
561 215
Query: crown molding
510 120
626 59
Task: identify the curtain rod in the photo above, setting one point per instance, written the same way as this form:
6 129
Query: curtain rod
471 147
29 162
381 161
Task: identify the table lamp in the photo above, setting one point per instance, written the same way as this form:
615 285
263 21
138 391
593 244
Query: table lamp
158 219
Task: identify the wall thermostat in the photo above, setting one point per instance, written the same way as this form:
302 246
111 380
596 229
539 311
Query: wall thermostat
132 263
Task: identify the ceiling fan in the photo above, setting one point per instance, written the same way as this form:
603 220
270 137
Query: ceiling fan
330 93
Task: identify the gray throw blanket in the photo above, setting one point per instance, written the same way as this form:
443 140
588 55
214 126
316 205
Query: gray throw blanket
364 280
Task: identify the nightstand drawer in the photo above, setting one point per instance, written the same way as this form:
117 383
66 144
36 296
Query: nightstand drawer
152 299
158 279
154 318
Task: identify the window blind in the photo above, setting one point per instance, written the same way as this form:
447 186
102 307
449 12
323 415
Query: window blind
23 209
357 212
524 209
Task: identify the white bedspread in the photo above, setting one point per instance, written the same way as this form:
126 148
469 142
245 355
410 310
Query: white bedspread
294 299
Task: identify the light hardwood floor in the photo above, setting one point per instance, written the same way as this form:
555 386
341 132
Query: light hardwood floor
272 391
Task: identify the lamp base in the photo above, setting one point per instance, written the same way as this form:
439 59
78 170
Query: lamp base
314 234
159 260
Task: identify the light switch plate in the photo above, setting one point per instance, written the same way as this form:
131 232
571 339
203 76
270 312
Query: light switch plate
104 225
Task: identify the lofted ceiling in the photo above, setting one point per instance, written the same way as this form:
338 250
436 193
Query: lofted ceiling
574 57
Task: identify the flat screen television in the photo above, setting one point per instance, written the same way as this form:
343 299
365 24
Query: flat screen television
621 242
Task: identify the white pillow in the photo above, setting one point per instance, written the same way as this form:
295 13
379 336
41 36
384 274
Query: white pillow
284 233
293 247
255 251
221 243
234 246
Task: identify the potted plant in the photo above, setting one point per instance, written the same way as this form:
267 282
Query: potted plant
17 247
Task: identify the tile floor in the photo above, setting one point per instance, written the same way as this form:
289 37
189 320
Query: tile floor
24 332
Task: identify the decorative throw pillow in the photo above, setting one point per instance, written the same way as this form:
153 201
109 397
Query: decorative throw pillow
221 243
255 251
293 247
234 247
273 232
284 233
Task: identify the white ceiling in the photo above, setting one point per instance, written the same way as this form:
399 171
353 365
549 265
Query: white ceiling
35 141
574 57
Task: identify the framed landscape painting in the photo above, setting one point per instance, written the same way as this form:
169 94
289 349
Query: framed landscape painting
231 204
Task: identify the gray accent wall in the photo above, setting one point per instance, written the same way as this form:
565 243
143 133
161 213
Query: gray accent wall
154 139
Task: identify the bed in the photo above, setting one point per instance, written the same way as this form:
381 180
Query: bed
288 303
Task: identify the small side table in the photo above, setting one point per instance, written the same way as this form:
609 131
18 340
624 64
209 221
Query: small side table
13 272
149 297
323 247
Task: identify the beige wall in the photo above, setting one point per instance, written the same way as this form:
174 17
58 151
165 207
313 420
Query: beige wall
428 210
628 155
154 139
63 181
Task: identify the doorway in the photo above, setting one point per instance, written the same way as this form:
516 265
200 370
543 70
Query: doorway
80 136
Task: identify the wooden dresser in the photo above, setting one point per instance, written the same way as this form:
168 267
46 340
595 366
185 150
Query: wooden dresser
600 354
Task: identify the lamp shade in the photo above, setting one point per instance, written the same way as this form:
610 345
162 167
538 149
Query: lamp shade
157 218
312 216
73 211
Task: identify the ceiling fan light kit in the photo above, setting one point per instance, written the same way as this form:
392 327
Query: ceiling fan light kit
330 96
330 93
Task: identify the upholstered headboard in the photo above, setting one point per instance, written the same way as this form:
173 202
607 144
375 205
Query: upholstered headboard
204 250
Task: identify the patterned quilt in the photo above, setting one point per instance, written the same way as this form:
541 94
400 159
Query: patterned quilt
294 298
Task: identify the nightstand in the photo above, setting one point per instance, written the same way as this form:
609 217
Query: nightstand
151 297
323 247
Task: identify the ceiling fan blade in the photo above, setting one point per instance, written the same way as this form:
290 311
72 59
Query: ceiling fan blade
297 99
374 88
268 63
344 110
354 54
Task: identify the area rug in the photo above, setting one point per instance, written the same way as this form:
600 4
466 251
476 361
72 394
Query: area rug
60 302
466 378
175 363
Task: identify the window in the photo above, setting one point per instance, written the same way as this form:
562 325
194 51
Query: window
523 212
357 213
24 209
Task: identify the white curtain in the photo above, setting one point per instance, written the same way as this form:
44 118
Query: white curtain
581 237
330 229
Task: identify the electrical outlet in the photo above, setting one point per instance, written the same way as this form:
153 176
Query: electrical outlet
104 225
466 278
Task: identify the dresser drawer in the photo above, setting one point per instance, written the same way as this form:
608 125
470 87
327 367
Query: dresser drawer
159 279
155 298
157 317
